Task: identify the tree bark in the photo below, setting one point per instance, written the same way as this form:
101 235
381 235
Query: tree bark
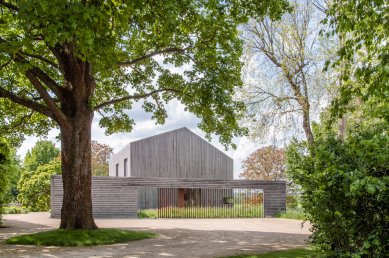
307 122
76 210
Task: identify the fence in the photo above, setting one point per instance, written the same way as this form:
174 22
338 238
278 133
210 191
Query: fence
210 203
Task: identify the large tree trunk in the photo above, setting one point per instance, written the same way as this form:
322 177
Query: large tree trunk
76 210
78 87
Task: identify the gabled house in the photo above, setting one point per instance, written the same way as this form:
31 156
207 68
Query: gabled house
175 154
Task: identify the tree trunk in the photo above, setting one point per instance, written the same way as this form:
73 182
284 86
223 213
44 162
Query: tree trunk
76 210
307 122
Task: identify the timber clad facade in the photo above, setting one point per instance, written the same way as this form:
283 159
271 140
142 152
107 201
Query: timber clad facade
176 154
115 197
173 170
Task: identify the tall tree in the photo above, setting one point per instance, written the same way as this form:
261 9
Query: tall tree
364 26
100 157
284 80
34 190
42 153
66 60
267 163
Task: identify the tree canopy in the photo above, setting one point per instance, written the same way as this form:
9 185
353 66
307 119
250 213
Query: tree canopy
66 60
364 25
42 153
267 163
100 157
131 48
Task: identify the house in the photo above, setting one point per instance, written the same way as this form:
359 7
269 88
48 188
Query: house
175 154
180 175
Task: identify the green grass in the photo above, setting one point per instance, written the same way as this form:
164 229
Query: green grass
293 253
238 211
292 213
148 213
61 237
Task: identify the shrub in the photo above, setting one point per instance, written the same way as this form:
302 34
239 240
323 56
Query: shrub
148 213
345 191
14 210
5 169
34 187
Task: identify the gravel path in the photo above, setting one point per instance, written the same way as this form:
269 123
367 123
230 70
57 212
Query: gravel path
177 237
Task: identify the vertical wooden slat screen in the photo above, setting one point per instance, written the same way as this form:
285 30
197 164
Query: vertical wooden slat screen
209 203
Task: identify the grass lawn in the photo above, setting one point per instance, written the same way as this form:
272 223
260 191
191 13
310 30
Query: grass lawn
295 253
61 237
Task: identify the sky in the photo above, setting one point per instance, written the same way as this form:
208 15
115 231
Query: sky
145 127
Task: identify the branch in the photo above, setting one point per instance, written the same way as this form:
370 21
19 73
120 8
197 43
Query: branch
53 85
4 65
57 113
22 121
25 102
114 101
42 59
37 72
155 53
9 5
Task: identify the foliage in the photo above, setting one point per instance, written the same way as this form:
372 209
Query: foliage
100 157
266 163
42 153
5 169
129 51
364 27
293 253
14 210
236 211
62 237
34 187
62 61
14 177
345 189
148 213
40 163
293 213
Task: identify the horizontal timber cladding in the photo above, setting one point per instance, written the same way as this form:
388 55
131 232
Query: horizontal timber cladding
179 154
110 198
120 194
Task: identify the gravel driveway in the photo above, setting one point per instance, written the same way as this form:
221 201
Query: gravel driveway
177 237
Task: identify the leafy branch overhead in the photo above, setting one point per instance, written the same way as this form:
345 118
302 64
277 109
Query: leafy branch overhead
133 50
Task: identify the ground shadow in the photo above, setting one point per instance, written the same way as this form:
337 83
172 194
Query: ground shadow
175 242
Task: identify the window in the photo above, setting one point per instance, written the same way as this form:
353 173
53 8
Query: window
125 167
117 169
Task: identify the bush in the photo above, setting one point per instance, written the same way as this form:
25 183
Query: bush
14 210
345 191
292 201
293 213
34 187
5 170
148 213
